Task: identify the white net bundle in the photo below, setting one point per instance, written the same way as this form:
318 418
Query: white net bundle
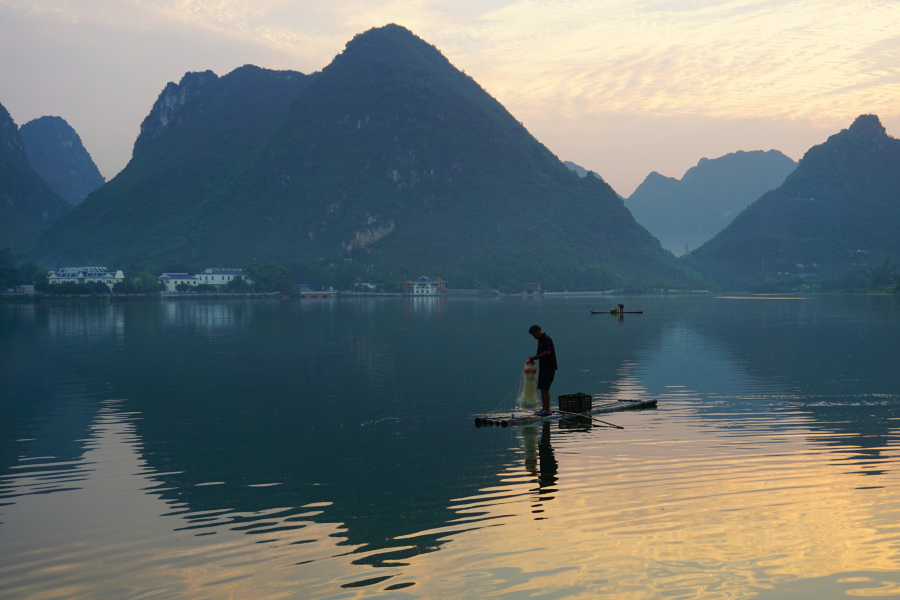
528 397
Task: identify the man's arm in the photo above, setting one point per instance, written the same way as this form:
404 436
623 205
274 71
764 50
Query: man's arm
543 354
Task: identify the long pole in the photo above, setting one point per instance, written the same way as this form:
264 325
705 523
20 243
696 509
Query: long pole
563 412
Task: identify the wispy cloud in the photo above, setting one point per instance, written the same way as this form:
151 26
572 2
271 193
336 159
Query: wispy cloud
574 61
811 59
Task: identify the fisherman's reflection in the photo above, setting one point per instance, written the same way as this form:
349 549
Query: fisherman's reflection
541 462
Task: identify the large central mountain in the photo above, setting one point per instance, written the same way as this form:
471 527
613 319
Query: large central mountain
690 211
389 163
27 204
836 213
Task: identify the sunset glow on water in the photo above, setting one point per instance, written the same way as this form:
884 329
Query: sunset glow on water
241 449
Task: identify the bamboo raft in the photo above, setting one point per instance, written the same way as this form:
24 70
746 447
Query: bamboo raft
524 418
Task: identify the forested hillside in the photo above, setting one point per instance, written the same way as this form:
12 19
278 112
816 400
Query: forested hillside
27 204
837 213
388 164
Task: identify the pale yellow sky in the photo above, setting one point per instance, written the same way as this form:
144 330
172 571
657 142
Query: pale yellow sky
620 87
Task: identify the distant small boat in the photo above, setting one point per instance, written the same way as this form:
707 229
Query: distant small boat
617 312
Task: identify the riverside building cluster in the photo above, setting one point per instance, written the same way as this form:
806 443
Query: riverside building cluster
215 277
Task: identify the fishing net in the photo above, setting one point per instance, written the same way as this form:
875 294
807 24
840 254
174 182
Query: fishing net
528 397
523 394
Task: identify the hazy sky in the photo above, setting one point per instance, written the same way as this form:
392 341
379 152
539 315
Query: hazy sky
621 87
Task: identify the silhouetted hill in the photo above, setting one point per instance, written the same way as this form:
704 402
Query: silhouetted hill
195 142
838 210
56 154
707 198
390 163
27 204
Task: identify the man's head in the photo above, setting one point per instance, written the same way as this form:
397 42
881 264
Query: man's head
535 331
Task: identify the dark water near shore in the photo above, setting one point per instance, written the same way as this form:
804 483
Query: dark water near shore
194 449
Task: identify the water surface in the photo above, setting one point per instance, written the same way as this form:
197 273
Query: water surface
209 449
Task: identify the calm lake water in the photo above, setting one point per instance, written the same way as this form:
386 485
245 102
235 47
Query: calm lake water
326 449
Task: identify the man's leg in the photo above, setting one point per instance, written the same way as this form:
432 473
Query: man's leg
545 399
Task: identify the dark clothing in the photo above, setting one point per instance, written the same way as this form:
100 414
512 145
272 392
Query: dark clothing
545 378
548 363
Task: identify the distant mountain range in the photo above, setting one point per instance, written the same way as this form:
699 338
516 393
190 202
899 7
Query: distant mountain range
837 212
56 154
27 204
690 211
388 164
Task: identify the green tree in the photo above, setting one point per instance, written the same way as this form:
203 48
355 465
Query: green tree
184 287
9 268
271 277
238 285
149 282
880 274
40 280
98 287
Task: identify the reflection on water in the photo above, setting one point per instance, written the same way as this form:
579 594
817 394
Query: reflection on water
86 322
257 449
205 316
540 462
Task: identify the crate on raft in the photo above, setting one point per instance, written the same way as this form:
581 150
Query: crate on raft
577 402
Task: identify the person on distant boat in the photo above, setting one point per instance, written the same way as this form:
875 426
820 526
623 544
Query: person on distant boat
546 357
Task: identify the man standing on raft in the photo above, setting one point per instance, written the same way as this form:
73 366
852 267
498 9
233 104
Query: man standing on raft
546 357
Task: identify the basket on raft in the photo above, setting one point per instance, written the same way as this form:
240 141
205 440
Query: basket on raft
577 402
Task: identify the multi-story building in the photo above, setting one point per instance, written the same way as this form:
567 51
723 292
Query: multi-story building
425 286
216 277
85 275
220 276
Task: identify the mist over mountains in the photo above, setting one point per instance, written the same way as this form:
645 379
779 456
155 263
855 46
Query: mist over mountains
27 204
836 213
56 154
690 211
387 164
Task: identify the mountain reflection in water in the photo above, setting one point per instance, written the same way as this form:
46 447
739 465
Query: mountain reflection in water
202 449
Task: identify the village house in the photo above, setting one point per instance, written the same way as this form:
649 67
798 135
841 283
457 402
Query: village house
170 280
85 275
216 277
425 286
27 289
220 277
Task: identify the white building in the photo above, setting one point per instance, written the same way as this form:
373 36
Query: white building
216 277
220 276
85 275
425 286
173 279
